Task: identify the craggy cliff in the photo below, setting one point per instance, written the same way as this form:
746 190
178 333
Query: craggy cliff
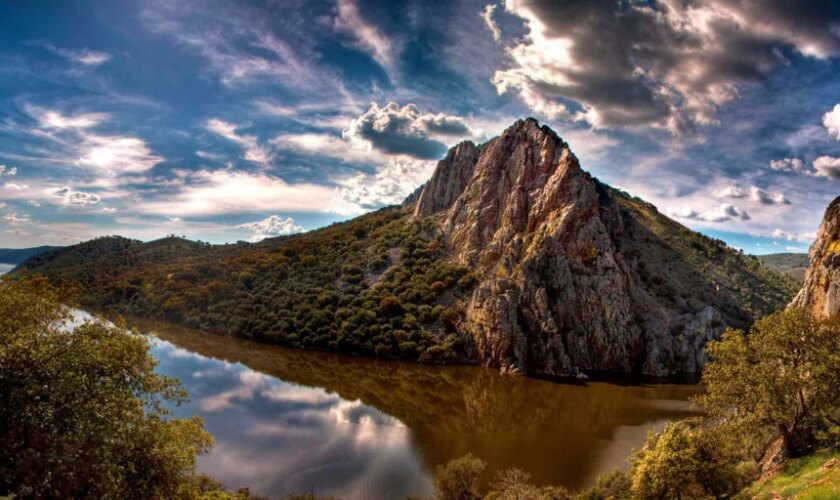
821 291
511 255
570 279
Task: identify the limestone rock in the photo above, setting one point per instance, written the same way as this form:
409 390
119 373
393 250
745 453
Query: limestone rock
821 291
556 295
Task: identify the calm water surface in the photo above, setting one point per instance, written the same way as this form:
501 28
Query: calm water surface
289 420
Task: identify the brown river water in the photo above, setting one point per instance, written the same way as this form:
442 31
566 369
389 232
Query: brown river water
292 421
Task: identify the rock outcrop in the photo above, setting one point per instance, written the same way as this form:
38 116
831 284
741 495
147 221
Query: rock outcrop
556 293
821 291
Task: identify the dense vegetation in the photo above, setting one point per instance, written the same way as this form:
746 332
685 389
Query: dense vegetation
18 255
794 265
380 285
684 269
373 286
84 414
773 393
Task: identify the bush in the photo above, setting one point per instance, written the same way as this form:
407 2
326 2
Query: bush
83 410
459 479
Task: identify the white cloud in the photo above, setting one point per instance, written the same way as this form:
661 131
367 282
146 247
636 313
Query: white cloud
85 57
831 121
254 152
366 36
388 186
794 165
754 193
15 219
74 198
271 226
53 119
117 154
13 186
827 166
487 16
8 171
213 192
721 213
791 236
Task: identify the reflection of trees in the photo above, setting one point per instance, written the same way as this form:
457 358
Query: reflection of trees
554 431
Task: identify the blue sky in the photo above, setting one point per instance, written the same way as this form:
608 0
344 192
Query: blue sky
233 120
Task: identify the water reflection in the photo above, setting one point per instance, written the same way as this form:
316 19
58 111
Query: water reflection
295 421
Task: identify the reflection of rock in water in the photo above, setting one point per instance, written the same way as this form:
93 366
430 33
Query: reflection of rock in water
559 433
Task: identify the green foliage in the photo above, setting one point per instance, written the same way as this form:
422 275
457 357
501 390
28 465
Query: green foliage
782 377
84 413
685 462
369 286
815 477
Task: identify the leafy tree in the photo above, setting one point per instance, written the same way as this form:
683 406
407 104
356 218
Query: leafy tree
782 377
459 479
684 462
84 414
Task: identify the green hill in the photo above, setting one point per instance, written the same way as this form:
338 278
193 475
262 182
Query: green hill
792 264
18 255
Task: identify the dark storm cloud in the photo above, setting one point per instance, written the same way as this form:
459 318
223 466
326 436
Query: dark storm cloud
669 64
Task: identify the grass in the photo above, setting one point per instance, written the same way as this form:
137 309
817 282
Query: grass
807 478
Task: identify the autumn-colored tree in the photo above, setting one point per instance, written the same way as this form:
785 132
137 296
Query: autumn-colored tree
459 479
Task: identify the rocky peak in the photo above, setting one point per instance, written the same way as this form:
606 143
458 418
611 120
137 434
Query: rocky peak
820 292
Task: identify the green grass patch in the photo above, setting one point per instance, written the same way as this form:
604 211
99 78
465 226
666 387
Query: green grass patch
805 478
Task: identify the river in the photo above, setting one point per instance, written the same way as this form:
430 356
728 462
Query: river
292 421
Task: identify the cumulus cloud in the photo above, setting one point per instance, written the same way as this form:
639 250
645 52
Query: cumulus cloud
794 165
831 121
395 129
270 227
791 236
366 36
8 171
827 166
487 16
75 198
390 185
665 64
753 193
721 213
15 219
823 166
254 152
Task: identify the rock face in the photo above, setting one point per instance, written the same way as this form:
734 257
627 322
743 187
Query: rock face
821 291
556 294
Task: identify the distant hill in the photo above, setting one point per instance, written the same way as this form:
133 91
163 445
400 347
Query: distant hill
511 256
18 255
791 264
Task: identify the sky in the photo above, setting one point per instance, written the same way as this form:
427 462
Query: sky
241 120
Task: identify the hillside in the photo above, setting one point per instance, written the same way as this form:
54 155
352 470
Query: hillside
512 256
18 255
792 264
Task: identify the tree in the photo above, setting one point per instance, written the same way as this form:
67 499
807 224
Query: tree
84 414
781 377
459 479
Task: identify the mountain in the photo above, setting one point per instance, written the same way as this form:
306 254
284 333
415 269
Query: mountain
821 288
18 255
511 256
794 265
